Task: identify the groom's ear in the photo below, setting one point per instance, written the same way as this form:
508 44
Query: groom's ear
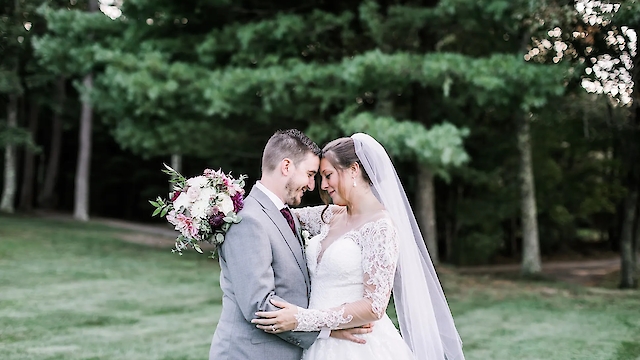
286 166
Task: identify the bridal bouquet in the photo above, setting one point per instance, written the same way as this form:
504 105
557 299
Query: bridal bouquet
201 208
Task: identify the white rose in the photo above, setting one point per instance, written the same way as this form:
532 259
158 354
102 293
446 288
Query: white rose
200 209
182 200
198 181
225 203
208 193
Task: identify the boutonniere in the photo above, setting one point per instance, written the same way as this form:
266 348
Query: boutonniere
306 236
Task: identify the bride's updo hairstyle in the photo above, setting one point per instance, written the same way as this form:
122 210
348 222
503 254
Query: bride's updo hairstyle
341 154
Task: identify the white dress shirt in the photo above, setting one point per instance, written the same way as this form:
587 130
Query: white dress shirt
325 332
274 198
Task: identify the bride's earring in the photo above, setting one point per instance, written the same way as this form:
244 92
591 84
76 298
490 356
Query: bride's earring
354 182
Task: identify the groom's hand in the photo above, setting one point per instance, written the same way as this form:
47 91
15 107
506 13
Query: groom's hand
349 334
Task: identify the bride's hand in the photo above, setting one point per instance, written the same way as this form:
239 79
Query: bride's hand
275 322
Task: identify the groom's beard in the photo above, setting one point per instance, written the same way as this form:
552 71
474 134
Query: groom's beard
293 197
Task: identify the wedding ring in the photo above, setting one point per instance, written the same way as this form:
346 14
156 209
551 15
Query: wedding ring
273 328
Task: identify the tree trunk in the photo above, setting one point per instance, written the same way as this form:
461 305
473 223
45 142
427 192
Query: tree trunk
631 155
610 176
513 241
450 225
635 123
636 243
426 211
176 164
448 240
46 199
425 197
530 241
28 174
10 162
83 169
628 268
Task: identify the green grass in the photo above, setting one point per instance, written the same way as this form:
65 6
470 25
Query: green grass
75 291
519 319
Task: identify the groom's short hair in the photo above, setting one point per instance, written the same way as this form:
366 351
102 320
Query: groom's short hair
292 144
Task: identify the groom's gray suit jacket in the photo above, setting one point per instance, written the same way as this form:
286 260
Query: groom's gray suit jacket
261 259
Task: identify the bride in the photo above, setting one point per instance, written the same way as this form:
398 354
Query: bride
363 247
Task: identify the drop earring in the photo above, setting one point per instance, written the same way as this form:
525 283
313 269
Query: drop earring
354 182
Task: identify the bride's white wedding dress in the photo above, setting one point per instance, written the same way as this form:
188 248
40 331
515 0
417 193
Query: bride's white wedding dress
351 282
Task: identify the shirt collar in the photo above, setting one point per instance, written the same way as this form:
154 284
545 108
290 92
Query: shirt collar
276 200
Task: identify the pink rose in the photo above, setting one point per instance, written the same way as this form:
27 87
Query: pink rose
171 217
186 226
193 230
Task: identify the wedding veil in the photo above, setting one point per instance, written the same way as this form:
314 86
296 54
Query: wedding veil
425 320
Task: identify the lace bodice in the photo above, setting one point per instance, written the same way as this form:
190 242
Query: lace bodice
352 282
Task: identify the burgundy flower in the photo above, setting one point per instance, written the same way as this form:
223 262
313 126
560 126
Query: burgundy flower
216 220
175 195
238 202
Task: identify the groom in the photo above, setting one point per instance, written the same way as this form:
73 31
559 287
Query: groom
262 257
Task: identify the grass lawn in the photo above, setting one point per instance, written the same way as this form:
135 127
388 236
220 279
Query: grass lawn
75 291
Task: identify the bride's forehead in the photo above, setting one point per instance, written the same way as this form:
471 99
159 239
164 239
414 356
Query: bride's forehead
326 165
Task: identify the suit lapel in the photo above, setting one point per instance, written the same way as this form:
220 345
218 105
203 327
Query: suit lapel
301 244
299 231
291 239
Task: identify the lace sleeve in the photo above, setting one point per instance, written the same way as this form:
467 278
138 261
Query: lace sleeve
380 253
310 217
379 259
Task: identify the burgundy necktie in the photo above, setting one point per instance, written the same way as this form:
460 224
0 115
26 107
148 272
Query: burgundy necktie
287 215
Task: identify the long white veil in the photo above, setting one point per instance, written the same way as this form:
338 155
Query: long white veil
425 320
